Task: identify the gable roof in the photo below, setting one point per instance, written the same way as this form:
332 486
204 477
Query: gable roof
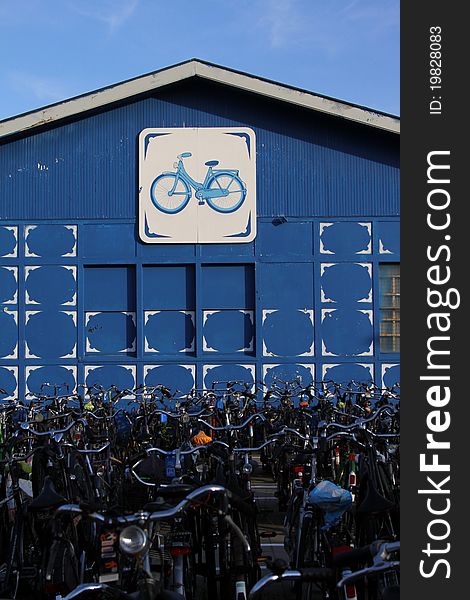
197 68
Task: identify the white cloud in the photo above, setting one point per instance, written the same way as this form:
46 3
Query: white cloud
44 89
329 27
113 13
383 14
282 20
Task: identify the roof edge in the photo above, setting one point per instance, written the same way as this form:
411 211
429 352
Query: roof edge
179 72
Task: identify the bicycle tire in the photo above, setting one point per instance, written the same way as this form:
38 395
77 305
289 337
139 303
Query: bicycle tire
160 194
62 566
82 491
14 553
236 192
310 554
4 520
209 543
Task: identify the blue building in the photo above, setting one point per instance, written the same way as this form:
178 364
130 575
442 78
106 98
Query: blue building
84 298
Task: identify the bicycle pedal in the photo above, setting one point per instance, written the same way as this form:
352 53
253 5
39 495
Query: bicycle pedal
28 573
278 566
267 534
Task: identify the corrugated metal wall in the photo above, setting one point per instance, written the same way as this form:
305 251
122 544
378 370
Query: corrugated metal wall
307 163
83 300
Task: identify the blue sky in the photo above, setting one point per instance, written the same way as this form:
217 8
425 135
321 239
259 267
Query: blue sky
55 49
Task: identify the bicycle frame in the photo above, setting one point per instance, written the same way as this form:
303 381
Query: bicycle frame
201 189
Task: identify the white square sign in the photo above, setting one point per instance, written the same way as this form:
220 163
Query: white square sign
197 185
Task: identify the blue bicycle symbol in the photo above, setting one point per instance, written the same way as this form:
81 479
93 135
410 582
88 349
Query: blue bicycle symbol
222 189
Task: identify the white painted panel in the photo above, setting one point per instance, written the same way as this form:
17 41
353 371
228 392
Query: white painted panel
183 200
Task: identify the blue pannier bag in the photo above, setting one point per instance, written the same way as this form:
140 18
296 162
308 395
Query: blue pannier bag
332 499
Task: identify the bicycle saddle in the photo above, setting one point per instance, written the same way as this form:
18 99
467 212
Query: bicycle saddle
374 502
211 163
391 593
48 497
172 492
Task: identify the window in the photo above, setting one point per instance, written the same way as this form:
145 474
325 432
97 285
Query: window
389 285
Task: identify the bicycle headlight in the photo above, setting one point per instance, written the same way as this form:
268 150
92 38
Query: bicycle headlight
247 469
133 540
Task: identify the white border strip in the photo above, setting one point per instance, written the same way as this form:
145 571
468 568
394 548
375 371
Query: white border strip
146 83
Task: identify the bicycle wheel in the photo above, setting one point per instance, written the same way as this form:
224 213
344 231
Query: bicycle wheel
167 199
236 192
62 567
81 488
312 552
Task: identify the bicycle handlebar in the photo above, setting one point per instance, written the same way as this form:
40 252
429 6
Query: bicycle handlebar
233 427
304 575
360 421
52 432
263 445
143 515
380 552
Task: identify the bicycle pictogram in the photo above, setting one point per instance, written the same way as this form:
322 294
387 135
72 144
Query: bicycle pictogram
222 189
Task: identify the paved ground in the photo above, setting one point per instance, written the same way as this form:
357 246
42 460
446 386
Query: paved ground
270 520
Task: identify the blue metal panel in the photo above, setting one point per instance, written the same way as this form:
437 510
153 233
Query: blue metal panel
50 241
278 238
228 250
389 237
7 241
8 335
8 382
8 285
228 331
170 332
288 332
110 288
52 285
286 285
166 253
169 287
50 334
226 372
176 377
348 372
110 332
346 282
114 241
228 286
109 375
47 380
345 238
288 372
391 375
346 332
